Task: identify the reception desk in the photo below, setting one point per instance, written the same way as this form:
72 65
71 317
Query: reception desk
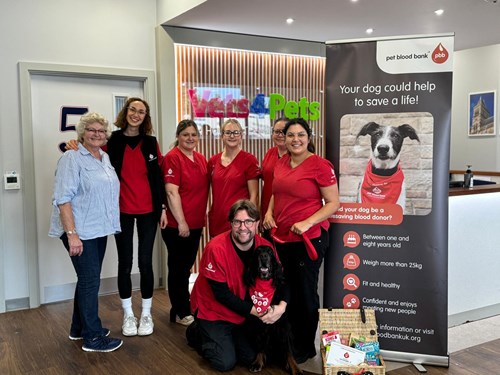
473 253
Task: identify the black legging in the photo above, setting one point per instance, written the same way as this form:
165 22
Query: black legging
146 232
302 275
181 256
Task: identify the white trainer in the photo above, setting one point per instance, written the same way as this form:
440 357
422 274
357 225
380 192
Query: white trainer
129 327
186 321
145 325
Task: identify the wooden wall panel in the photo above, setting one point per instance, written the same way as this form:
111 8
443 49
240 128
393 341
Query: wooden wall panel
253 73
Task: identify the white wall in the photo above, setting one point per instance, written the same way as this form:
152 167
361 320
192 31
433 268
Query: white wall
104 33
474 70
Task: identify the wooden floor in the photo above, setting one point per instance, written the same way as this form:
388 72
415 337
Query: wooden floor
36 342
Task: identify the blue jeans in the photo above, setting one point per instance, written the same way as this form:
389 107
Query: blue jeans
88 266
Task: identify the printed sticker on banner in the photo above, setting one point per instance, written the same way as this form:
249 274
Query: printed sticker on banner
364 213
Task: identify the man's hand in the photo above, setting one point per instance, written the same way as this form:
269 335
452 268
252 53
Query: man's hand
274 313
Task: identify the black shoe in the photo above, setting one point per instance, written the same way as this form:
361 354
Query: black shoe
102 344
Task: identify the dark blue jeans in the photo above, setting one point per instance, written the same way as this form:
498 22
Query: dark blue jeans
146 232
88 266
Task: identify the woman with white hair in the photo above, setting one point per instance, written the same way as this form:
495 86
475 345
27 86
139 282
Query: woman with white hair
85 212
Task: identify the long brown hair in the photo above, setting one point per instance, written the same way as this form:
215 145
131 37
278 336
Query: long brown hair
146 127
300 121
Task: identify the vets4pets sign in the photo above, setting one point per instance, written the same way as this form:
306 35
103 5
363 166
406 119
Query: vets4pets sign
388 120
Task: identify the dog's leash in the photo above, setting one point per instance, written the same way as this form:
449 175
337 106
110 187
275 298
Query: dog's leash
311 251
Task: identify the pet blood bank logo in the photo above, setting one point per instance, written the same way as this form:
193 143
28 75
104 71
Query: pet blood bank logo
440 54
346 355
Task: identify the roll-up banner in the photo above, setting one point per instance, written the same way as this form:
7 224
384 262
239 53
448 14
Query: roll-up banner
388 118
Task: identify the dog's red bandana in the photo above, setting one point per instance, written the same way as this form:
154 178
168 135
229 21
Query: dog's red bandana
262 294
381 189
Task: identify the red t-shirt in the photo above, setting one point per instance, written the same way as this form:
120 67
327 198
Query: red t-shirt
192 179
229 184
297 194
268 164
220 263
135 193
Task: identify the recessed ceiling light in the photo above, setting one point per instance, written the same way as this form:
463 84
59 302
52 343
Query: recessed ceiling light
439 12
289 20
369 31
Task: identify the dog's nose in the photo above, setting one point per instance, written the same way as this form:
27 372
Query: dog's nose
383 149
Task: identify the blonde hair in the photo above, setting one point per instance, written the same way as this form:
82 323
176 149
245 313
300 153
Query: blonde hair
91 118
231 121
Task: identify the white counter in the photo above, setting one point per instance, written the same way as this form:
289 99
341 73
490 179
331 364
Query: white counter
473 257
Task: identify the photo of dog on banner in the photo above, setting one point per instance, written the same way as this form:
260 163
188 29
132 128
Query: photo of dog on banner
387 159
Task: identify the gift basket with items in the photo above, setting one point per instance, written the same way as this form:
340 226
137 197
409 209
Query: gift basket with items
349 343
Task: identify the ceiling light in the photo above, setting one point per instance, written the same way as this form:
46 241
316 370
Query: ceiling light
439 12
369 31
289 20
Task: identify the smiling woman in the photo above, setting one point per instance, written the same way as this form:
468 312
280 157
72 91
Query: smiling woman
186 183
136 157
234 175
305 195
85 212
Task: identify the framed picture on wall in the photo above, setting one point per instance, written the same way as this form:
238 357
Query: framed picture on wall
482 113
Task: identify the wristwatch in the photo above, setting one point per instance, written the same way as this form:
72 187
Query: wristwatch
70 232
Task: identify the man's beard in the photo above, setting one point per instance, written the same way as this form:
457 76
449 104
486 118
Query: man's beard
238 241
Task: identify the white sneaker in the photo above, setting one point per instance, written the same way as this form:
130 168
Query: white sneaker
145 325
129 327
187 320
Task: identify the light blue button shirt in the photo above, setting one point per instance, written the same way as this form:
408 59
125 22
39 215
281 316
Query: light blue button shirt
92 187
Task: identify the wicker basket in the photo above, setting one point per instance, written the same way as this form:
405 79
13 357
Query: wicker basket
349 321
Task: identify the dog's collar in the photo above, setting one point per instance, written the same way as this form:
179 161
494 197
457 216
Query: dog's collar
384 172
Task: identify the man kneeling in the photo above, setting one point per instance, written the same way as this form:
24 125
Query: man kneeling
218 297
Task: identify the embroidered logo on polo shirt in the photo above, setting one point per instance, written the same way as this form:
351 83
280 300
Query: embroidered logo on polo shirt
151 157
170 173
209 267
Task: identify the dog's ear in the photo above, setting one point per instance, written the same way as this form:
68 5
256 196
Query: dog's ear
279 276
368 129
250 272
408 131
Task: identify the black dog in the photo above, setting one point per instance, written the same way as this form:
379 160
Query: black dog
264 278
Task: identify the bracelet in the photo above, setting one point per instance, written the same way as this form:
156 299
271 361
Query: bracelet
163 207
70 232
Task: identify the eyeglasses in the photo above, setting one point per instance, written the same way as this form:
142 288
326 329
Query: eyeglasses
237 223
293 135
140 112
278 132
96 131
235 133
